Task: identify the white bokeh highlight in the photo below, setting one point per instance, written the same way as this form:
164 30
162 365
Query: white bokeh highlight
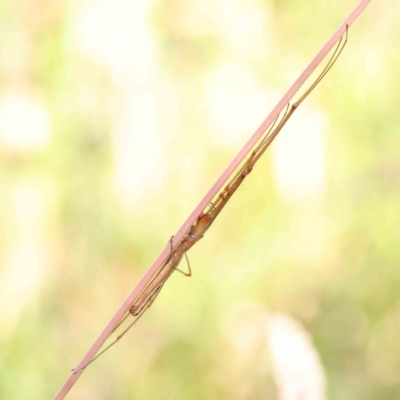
299 155
27 253
235 104
24 122
296 365
118 34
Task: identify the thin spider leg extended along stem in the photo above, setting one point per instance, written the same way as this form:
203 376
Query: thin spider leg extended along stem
156 283
139 308
156 276
146 297
145 301
338 50
201 218
188 274
203 223
289 111
99 354
119 337
266 141
240 171
150 293
272 127
205 220
265 144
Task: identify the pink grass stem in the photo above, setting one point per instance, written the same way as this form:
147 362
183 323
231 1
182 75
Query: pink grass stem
209 196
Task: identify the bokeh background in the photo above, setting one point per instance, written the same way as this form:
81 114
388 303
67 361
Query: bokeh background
115 119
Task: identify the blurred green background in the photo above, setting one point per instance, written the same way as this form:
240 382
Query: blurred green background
115 119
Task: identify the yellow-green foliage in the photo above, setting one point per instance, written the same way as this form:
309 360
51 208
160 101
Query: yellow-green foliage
115 119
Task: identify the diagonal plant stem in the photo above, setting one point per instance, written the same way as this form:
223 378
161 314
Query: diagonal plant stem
208 197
